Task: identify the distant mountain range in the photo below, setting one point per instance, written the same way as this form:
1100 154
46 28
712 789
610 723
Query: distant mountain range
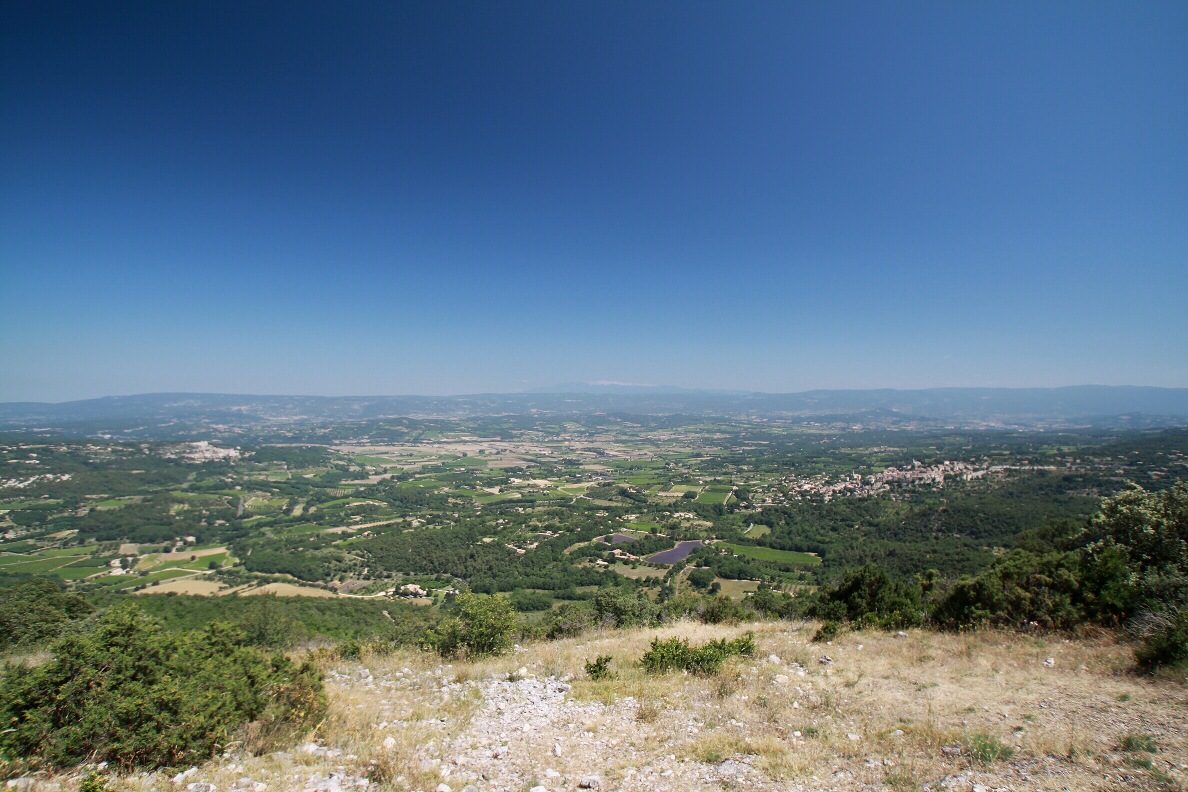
1088 405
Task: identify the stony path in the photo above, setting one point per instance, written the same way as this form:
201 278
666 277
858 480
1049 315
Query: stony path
530 732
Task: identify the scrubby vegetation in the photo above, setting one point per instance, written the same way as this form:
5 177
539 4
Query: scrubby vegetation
675 654
134 695
36 610
483 626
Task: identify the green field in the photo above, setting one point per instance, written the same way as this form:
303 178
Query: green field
374 461
300 529
771 554
201 562
30 504
465 462
736 589
713 497
638 573
60 552
21 546
132 581
32 566
257 504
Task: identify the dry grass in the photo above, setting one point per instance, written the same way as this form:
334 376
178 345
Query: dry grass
905 699
885 714
288 590
194 585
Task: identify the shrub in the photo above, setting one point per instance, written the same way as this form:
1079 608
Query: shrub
722 609
484 626
531 601
624 608
675 654
1164 636
665 656
986 749
268 623
867 596
599 668
572 618
35 611
1135 743
827 632
1017 589
93 782
131 694
772 603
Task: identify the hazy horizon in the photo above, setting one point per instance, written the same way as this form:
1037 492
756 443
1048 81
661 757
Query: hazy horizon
469 197
592 389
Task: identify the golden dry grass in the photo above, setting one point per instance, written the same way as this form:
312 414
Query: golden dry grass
885 714
287 590
195 585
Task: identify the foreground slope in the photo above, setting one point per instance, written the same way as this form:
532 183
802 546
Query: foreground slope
986 710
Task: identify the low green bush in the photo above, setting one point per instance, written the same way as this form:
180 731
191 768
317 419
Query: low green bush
624 608
1139 743
675 654
827 632
599 668
136 696
1164 636
572 618
986 749
93 782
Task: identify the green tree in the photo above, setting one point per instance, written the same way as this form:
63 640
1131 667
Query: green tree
624 608
868 596
484 626
1148 532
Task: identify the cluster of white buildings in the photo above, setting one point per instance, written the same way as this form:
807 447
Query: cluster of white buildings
855 485
202 451
43 478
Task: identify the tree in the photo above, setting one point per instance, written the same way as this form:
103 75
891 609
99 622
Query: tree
868 596
1148 533
484 626
623 608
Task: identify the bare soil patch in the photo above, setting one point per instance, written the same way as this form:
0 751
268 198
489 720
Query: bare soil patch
288 590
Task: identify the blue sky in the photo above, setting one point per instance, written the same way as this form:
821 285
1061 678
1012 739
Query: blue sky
422 197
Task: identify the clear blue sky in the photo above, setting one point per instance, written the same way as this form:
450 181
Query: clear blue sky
441 197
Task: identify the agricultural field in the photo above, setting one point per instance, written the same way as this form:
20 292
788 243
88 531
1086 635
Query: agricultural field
771 554
515 504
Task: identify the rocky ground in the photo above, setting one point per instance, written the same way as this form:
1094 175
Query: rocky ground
869 711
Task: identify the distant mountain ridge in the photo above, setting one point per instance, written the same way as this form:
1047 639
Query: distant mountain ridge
1076 405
